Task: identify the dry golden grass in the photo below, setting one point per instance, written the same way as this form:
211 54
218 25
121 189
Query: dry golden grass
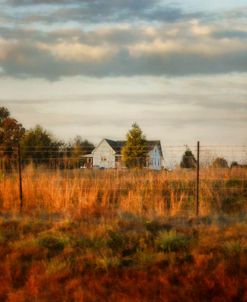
119 236
144 193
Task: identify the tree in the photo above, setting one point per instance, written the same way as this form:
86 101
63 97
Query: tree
82 146
77 149
39 146
234 164
188 160
11 133
134 151
220 162
4 113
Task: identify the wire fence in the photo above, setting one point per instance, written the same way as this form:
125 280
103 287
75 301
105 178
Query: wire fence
216 181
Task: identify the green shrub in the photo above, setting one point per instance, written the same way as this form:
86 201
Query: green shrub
54 243
171 241
116 241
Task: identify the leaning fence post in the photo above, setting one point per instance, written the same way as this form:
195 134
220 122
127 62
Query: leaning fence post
20 177
198 179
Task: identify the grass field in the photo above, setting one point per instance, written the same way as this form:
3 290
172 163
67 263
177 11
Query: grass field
123 236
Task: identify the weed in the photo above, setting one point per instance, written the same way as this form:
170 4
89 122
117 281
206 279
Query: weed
171 241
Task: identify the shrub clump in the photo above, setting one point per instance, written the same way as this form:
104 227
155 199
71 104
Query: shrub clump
155 226
171 241
116 241
54 243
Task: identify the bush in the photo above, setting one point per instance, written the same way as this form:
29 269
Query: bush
55 244
220 163
171 241
155 226
116 241
188 160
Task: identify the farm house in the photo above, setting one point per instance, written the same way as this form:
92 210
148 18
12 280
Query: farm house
107 155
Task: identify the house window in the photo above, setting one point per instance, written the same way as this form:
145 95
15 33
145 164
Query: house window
103 158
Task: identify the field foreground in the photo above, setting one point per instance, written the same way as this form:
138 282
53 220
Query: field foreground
109 236
123 258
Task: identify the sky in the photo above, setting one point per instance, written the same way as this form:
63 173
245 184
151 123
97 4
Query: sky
93 67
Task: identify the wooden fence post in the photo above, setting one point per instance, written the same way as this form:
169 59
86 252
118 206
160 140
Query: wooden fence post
198 180
20 177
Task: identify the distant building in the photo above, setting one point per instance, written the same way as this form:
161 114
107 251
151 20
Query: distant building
107 155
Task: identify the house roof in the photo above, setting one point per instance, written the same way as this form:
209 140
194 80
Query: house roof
118 145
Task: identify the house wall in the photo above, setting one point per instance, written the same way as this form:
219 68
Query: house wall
104 156
155 159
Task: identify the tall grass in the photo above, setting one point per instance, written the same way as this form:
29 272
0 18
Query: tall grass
146 193
104 240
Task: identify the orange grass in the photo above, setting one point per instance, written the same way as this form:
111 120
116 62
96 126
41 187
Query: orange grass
87 236
144 193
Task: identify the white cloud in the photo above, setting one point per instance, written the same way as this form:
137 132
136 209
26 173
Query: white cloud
199 29
78 52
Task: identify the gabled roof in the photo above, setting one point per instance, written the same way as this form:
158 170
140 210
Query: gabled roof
118 145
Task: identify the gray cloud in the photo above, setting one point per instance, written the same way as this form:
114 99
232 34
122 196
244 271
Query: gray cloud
231 34
175 110
92 11
30 61
130 49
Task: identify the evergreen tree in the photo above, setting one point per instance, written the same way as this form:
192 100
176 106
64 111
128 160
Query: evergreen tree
188 160
134 151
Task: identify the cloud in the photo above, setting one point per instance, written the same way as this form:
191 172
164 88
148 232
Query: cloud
145 38
104 53
77 52
176 110
230 34
95 12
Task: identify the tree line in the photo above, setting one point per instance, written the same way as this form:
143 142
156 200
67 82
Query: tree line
37 145
40 147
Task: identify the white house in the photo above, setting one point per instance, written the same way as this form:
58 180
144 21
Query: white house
107 154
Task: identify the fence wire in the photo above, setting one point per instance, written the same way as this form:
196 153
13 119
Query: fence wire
221 181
